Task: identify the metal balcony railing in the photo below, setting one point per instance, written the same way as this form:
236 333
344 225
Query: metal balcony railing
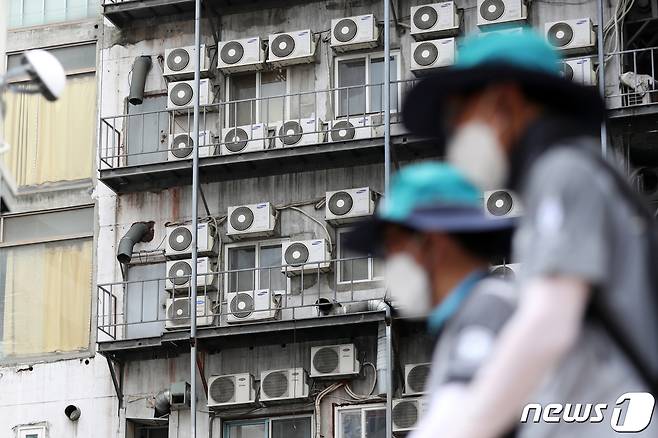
145 138
148 308
634 72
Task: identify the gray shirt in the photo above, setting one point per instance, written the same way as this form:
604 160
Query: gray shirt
577 223
468 337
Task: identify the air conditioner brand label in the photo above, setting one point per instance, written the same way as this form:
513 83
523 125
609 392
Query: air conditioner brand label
200 302
581 22
361 190
445 5
303 33
261 205
316 242
252 40
365 17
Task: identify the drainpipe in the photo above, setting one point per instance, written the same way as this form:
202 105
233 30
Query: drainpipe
387 100
389 374
195 216
601 57
141 67
138 232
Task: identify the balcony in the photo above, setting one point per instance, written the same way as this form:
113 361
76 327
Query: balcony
138 319
122 12
135 153
634 73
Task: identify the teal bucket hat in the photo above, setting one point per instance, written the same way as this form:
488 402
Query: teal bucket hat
521 57
427 197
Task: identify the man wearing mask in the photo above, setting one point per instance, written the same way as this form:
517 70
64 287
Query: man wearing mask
511 121
438 244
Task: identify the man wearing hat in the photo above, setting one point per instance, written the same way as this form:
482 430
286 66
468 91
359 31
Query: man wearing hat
509 120
438 245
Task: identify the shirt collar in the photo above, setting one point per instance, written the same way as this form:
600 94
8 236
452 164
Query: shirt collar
453 301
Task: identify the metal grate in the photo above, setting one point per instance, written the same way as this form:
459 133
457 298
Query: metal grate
417 377
326 360
222 389
405 414
275 384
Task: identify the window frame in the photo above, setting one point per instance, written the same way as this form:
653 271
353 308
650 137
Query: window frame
55 238
43 21
338 431
93 295
75 72
257 244
368 60
371 262
268 423
39 429
257 99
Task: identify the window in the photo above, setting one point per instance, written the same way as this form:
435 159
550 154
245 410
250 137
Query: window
154 428
356 267
283 427
360 82
54 141
36 12
258 95
256 266
31 431
361 422
45 282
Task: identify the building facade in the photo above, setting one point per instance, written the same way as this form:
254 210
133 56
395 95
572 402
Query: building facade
293 329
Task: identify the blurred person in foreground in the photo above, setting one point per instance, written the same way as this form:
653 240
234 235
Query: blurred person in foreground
585 327
438 244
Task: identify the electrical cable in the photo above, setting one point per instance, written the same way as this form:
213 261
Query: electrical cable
367 396
323 226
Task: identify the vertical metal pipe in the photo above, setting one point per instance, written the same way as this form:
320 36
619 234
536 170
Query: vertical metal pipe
387 107
195 218
601 58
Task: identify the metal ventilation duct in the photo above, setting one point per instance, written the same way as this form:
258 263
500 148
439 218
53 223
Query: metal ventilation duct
141 67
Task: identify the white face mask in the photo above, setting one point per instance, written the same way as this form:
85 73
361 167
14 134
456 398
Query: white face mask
476 151
409 286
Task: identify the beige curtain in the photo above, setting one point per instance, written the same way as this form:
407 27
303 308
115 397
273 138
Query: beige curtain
47 298
52 141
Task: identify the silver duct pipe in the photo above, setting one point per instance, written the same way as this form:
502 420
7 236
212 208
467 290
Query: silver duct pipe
141 67
162 403
138 232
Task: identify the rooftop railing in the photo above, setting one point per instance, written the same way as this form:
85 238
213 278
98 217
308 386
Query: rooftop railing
248 125
149 308
634 72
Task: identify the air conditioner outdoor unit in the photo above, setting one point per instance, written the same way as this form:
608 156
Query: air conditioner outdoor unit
435 19
352 128
180 145
179 271
502 203
253 220
298 132
354 33
178 312
579 70
507 31
407 412
571 36
287 384
231 390
334 361
179 240
241 55
181 94
415 378
507 272
246 138
305 256
290 48
179 63
350 204
500 11
428 55
250 306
